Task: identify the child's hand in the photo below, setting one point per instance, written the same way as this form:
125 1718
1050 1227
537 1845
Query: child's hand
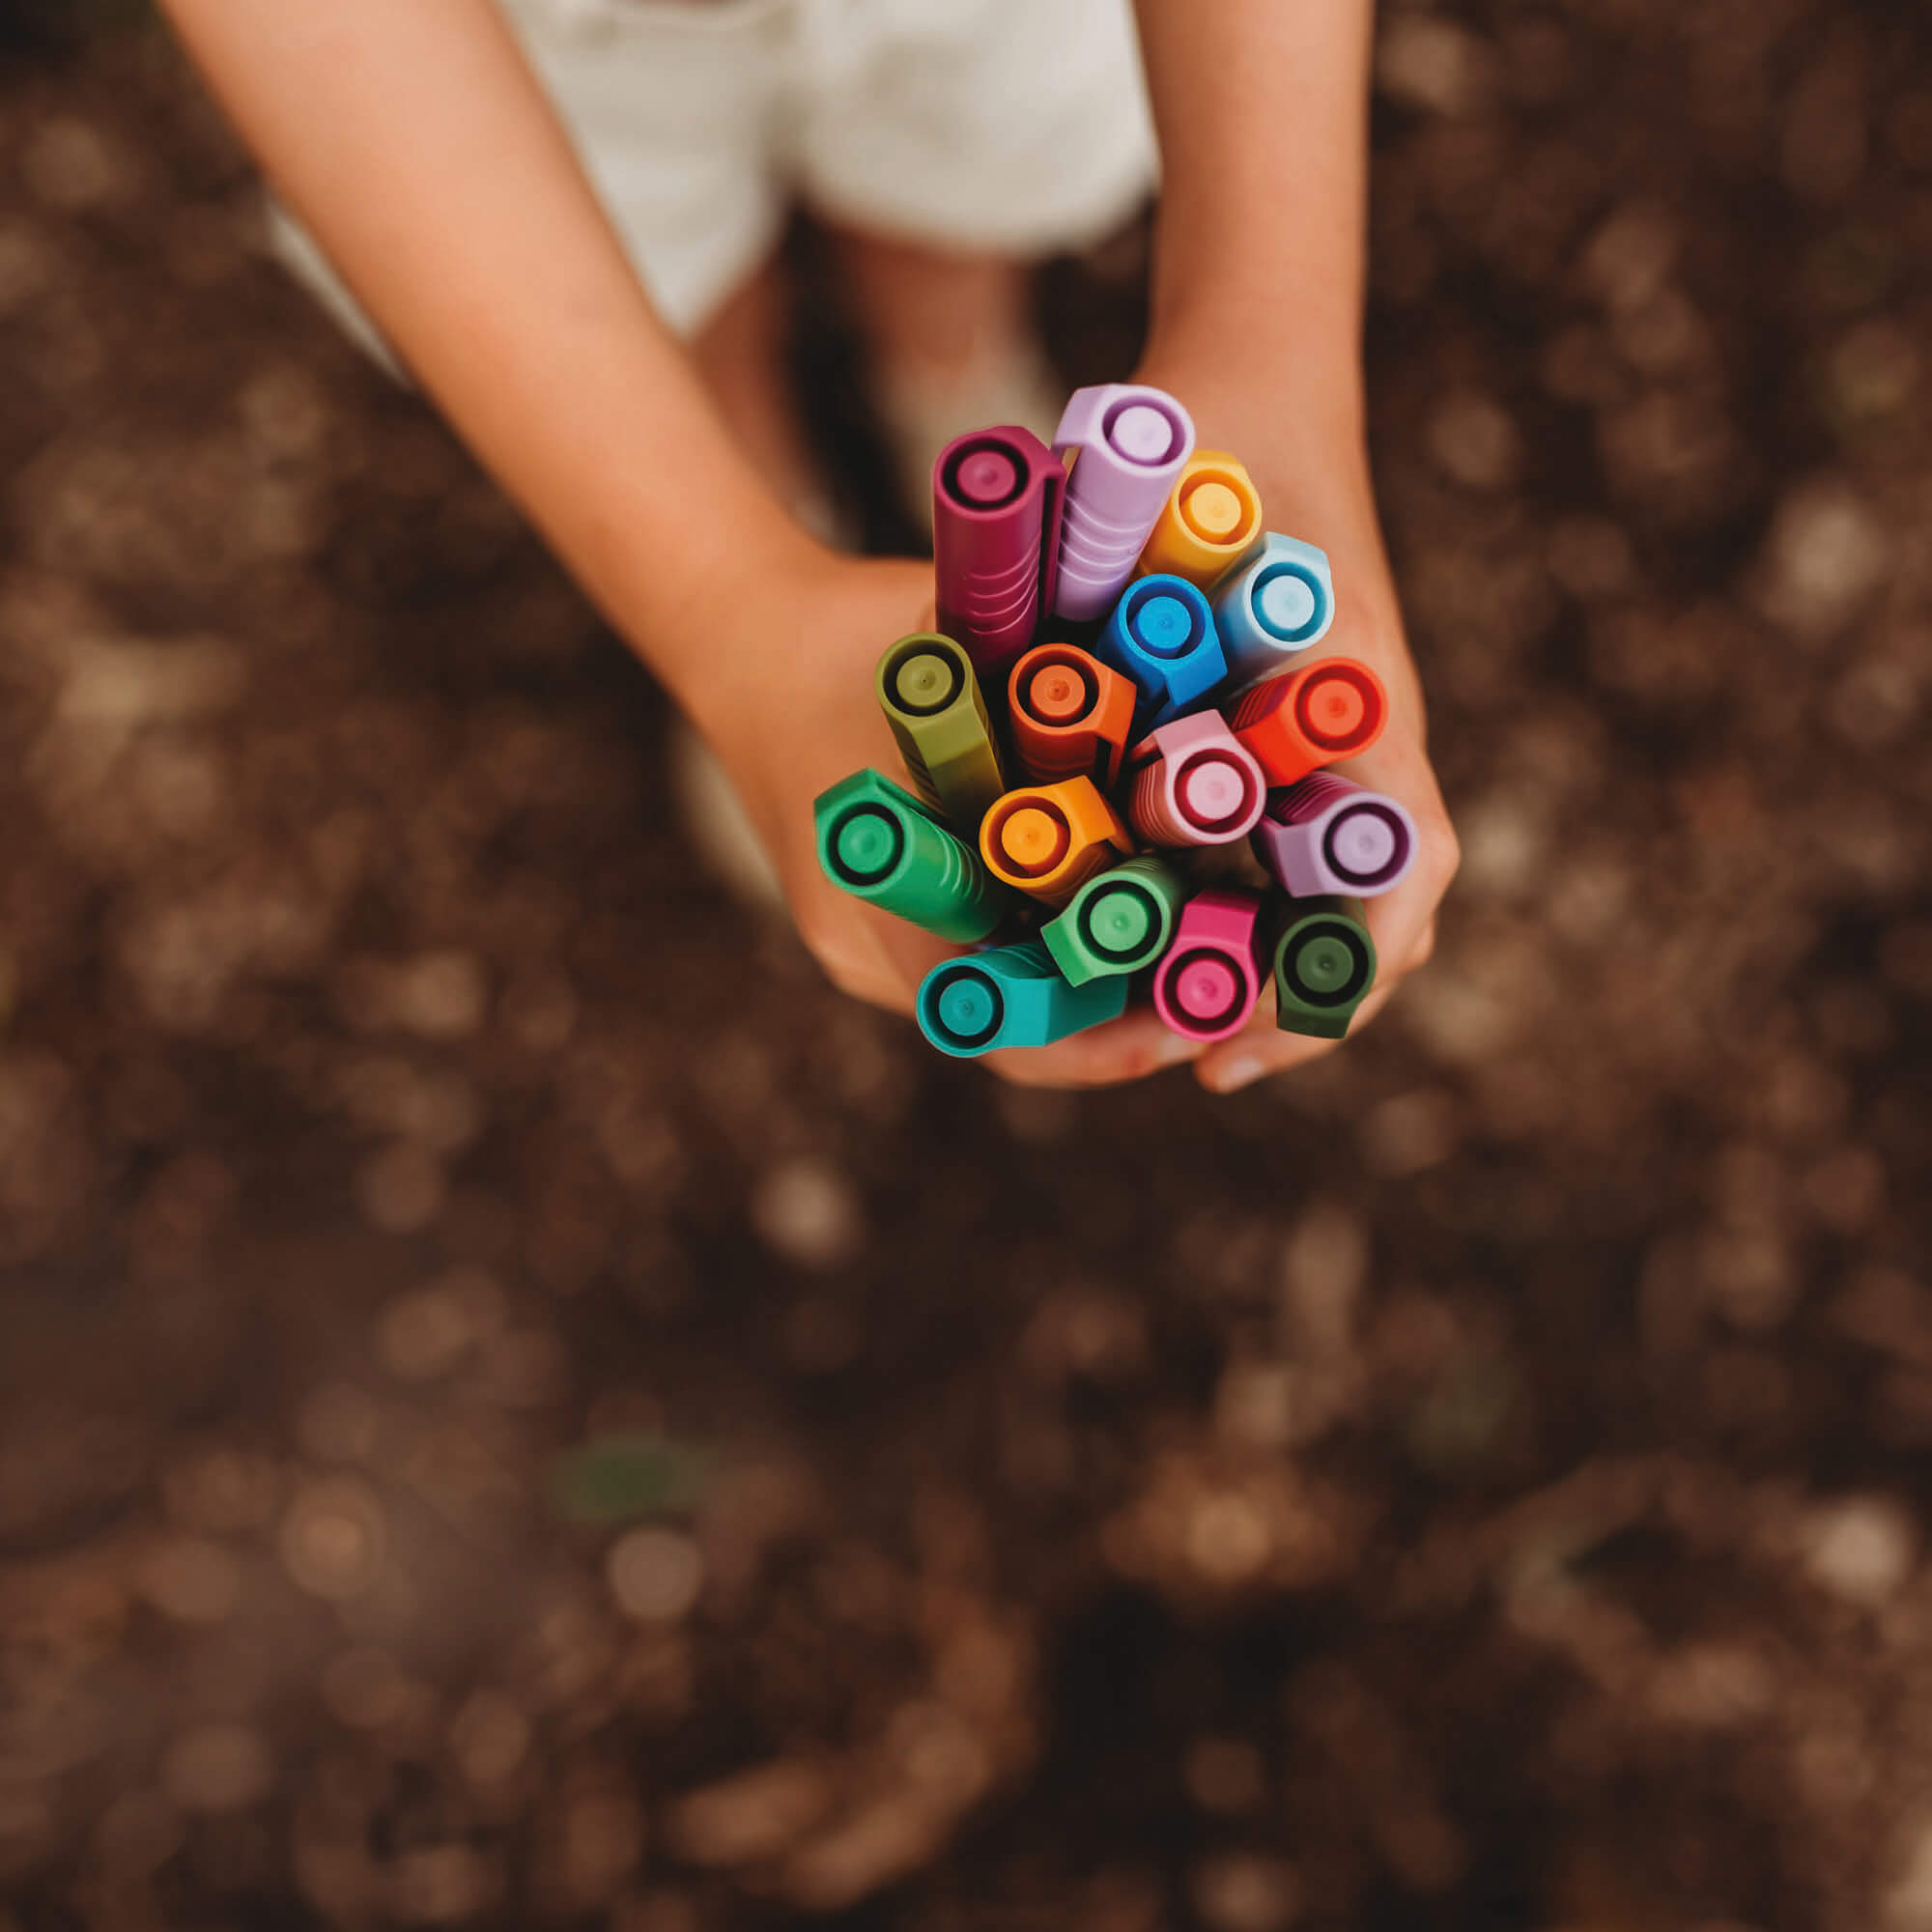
1314 484
792 712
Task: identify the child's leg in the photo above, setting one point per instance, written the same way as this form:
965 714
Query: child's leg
951 147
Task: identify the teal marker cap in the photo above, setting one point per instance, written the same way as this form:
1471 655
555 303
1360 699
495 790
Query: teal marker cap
1009 996
1325 966
1120 920
881 845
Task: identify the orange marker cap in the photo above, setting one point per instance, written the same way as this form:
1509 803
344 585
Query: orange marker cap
1072 715
1295 724
1048 839
1210 521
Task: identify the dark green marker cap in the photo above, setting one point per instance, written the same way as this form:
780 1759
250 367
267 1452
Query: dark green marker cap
879 843
1325 966
1120 920
932 701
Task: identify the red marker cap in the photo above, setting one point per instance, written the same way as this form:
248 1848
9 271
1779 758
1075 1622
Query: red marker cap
1330 710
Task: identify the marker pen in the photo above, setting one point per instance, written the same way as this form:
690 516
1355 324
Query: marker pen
1324 965
1209 523
1072 715
931 699
996 505
1329 836
1009 996
1130 444
1161 634
880 844
1195 783
1118 922
1046 840
1206 985
1306 718
1272 604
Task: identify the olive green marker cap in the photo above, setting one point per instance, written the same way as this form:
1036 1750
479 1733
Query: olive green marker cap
1324 965
879 843
1120 920
932 701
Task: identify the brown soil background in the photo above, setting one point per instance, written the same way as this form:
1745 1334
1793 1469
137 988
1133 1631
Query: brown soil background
519 1405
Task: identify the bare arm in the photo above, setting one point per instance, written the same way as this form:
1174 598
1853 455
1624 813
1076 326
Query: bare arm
1263 112
421 152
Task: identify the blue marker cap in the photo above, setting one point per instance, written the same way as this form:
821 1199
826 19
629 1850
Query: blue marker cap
1271 606
1161 634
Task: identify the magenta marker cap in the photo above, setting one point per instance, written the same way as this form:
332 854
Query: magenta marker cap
1130 441
996 498
1330 836
1195 783
1207 981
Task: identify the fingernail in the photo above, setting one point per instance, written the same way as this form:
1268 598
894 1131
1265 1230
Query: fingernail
1233 1074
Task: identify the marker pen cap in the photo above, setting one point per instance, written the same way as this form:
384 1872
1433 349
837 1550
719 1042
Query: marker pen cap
1323 964
879 843
1161 634
1009 996
1272 606
1045 839
996 505
931 699
1208 982
1072 716
1120 920
1325 712
1329 835
1195 783
1129 443
1209 523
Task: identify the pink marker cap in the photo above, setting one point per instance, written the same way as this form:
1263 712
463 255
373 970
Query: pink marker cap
1195 783
1207 981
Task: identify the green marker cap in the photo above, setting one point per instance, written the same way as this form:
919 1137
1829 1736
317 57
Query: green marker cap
1009 996
1120 920
879 843
932 701
1325 966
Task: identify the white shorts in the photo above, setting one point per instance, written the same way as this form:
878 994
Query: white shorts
1009 127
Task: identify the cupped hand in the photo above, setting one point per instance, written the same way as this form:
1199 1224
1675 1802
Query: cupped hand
1312 473
789 709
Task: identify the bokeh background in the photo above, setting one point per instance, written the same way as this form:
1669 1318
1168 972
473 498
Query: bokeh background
518 1405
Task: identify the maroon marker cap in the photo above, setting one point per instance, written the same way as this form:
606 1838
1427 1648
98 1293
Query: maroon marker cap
996 499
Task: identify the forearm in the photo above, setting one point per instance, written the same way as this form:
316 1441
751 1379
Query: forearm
1262 114
422 154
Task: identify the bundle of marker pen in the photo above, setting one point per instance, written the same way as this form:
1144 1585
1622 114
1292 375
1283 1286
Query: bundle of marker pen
1122 684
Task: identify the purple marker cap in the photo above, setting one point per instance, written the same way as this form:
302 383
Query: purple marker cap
1130 442
1329 836
996 498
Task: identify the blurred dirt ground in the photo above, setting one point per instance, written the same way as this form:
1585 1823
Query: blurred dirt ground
518 1405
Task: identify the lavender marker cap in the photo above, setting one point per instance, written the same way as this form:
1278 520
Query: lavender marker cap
1330 836
1131 441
